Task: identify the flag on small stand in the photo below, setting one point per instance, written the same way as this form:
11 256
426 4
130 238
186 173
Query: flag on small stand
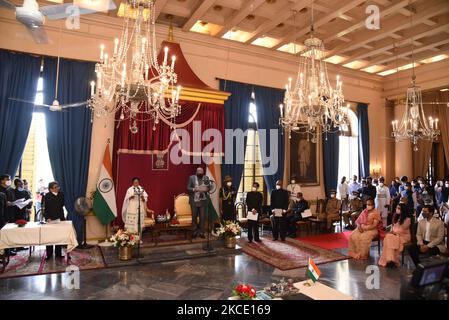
104 205
312 271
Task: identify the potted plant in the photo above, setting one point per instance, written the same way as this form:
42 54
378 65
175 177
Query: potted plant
243 292
21 223
229 230
125 241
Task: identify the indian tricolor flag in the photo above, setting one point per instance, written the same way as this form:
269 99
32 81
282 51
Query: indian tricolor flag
312 271
104 205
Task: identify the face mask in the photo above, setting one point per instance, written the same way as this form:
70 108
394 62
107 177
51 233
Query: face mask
293 181
20 189
447 185
422 185
278 187
332 195
424 192
55 193
229 184
370 208
254 189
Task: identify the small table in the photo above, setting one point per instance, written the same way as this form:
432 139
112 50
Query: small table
319 291
164 227
36 234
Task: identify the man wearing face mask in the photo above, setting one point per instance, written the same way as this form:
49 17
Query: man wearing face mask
382 200
293 189
21 193
333 206
227 195
254 200
368 191
411 198
9 209
197 189
354 186
53 204
422 199
279 206
404 180
300 206
355 208
430 236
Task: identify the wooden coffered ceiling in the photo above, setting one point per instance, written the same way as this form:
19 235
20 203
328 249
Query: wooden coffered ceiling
283 25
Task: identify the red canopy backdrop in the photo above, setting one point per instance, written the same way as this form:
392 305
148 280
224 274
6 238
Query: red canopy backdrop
146 153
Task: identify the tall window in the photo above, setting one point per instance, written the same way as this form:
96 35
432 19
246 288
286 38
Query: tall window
348 163
253 171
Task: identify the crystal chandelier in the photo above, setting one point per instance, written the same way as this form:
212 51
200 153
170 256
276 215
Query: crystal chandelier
312 105
414 125
131 82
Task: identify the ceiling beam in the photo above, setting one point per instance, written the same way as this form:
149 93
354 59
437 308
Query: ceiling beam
361 23
332 15
198 13
418 58
407 13
391 26
284 14
401 53
159 6
240 15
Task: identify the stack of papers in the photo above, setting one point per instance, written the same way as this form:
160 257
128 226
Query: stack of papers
22 203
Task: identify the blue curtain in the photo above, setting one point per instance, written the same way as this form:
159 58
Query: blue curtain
364 156
69 132
19 74
236 111
268 113
331 148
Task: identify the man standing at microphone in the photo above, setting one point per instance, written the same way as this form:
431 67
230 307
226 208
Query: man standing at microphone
131 207
197 188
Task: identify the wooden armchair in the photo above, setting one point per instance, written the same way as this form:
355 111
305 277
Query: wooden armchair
183 210
149 220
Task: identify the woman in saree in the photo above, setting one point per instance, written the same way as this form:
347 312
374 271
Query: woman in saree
394 241
369 223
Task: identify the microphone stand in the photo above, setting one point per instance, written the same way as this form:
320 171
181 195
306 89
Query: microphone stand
208 246
138 192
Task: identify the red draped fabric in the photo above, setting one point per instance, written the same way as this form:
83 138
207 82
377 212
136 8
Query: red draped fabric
135 154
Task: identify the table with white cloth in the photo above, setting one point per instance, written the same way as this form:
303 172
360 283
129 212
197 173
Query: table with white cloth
36 234
319 291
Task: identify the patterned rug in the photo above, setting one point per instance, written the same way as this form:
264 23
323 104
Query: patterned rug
23 265
288 255
329 240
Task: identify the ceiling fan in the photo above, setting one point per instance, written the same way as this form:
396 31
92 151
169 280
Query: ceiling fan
55 106
33 17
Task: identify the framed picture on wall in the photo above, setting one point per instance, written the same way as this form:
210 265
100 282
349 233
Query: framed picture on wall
160 161
304 159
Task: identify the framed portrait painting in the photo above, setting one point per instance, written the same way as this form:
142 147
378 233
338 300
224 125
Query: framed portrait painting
304 159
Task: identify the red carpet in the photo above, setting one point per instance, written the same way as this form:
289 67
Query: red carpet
328 241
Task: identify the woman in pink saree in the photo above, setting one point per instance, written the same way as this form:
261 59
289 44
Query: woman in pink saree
394 241
369 223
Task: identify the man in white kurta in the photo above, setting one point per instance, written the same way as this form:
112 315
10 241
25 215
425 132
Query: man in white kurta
382 200
130 210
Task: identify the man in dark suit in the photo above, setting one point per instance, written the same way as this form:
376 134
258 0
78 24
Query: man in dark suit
198 188
254 200
53 207
299 207
279 206
8 208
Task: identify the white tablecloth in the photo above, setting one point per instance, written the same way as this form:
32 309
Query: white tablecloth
319 291
35 234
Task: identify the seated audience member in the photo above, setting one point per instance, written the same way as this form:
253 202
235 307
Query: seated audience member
429 236
355 208
333 206
369 226
300 206
53 203
254 200
394 241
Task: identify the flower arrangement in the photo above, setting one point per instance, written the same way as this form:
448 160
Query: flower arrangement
21 222
125 239
229 229
244 291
